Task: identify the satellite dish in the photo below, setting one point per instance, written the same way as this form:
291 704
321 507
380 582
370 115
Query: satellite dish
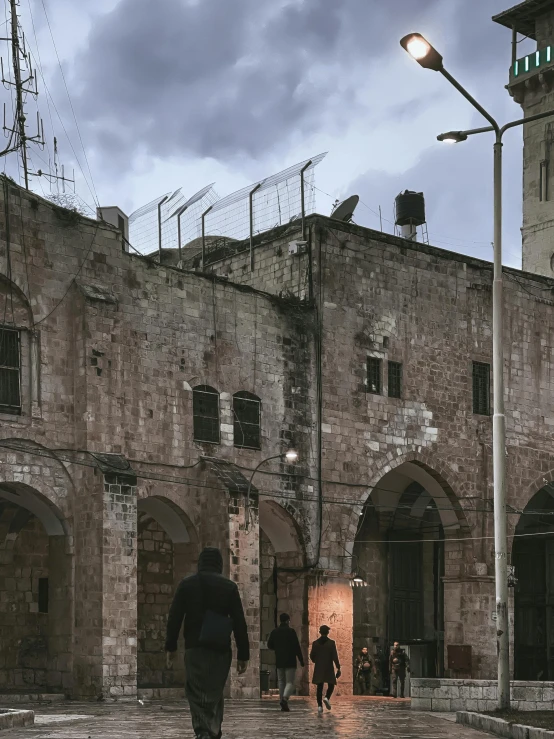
345 210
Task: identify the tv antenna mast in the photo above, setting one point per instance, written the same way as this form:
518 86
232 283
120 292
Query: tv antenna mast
25 83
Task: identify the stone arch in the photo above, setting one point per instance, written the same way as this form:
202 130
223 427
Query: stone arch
283 583
35 546
168 549
15 308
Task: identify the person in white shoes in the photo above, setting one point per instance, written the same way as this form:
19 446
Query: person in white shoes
325 658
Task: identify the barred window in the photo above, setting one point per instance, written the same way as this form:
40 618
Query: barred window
374 373
481 388
205 412
10 371
246 420
395 380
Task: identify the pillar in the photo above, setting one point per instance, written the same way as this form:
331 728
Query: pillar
105 657
330 602
60 614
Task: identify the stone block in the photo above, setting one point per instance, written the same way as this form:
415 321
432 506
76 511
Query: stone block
440 704
421 704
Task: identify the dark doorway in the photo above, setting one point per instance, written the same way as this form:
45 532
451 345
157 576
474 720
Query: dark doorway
533 559
406 590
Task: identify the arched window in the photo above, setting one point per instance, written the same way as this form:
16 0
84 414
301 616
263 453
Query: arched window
205 412
246 420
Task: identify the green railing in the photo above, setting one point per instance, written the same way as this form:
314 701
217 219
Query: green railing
533 61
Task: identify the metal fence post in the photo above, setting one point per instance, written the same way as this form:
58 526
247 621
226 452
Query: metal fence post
162 201
251 213
204 214
304 168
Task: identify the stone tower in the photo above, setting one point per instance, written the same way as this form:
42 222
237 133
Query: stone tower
531 84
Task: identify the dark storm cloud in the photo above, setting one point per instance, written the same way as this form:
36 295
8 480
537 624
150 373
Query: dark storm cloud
222 78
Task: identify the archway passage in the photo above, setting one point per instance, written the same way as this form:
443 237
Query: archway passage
533 560
283 587
400 553
36 595
167 552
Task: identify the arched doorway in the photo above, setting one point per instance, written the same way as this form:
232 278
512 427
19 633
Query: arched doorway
533 560
282 584
167 552
400 552
36 594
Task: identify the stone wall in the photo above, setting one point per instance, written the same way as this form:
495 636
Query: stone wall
478 695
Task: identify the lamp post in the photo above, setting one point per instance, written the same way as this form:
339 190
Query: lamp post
428 57
291 455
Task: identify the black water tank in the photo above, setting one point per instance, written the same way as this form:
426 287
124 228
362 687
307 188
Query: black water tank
410 208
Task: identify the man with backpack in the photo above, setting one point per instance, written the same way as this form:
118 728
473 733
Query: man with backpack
286 646
211 608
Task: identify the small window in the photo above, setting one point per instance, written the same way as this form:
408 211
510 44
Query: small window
481 388
10 369
246 420
374 373
395 380
43 595
205 411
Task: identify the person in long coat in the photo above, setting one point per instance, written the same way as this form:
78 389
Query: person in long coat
325 658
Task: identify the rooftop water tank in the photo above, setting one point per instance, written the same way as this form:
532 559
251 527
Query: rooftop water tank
410 208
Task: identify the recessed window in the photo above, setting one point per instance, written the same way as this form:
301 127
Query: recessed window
43 595
205 411
481 388
246 420
10 371
374 374
395 380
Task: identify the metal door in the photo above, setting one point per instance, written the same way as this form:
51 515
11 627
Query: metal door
534 601
406 591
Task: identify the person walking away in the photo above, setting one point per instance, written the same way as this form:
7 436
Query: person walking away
325 658
211 608
365 672
398 665
284 642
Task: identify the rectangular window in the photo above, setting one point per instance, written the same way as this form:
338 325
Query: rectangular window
246 411
374 373
10 368
205 409
481 388
43 595
395 380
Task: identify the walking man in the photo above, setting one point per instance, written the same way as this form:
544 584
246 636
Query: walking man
211 607
325 658
286 646
398 665
365 672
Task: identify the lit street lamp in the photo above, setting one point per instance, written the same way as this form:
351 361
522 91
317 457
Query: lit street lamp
291 455
422 51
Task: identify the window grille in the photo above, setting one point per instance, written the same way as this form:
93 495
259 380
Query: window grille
395 380
205 411
246 420
481 388
374 375
10 371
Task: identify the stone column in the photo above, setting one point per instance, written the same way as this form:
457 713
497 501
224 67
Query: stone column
244 569
105 658
330 602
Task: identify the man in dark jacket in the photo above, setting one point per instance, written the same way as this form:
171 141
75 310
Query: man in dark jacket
398 664
286 646
325 658
207 668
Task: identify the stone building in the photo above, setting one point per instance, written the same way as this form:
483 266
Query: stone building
137 398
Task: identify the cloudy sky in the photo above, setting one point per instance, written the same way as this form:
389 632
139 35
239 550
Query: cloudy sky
185 92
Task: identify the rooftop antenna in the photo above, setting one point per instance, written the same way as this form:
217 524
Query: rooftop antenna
25 82
56 177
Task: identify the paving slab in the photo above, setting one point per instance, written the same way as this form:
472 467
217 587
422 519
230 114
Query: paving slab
349 718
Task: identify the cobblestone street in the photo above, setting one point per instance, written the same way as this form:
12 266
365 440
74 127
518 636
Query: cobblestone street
356 718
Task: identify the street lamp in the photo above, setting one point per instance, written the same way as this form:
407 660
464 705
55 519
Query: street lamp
422 51
291 455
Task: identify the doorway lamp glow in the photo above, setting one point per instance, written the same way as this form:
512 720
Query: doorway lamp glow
291 455
421 50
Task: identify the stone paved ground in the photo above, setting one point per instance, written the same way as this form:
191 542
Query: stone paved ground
357 718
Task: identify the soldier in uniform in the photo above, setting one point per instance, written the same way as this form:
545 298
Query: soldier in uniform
365 672
399 664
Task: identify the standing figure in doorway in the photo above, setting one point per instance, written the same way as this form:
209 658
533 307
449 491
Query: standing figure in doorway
211 608
325 658
399 664
286 646
365 672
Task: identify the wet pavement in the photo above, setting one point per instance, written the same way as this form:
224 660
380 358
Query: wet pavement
350 717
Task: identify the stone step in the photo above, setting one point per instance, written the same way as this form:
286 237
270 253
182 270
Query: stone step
8 698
